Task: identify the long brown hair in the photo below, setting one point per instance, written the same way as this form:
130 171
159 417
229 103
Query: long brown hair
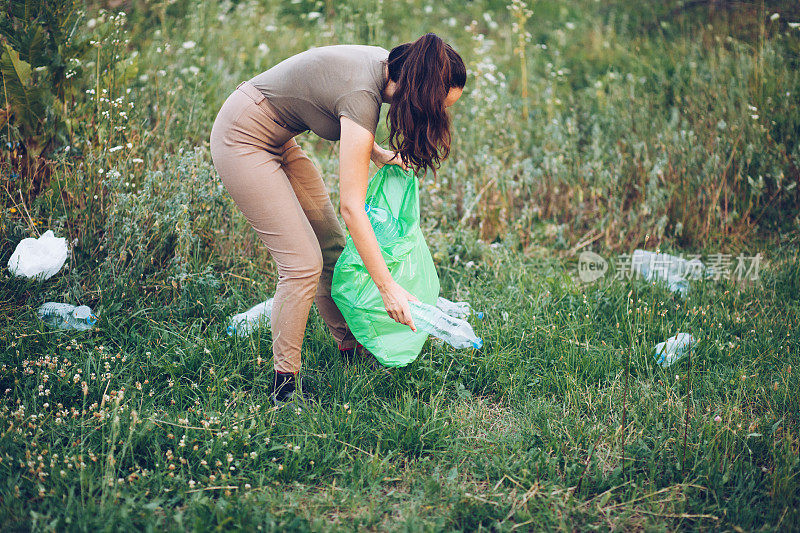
419 126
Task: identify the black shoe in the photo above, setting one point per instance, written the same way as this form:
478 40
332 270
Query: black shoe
288 387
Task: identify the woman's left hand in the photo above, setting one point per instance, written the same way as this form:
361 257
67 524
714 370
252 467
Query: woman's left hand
382 157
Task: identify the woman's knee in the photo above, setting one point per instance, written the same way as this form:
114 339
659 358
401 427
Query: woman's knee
305 273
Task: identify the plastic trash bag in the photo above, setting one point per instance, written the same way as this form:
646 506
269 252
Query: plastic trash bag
409 261
39 258
673 271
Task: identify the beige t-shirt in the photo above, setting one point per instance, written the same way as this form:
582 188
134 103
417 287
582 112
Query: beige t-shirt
312 89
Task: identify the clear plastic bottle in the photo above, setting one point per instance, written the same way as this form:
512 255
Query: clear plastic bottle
457 309
673 349
385 226
245 323
67 316
454 331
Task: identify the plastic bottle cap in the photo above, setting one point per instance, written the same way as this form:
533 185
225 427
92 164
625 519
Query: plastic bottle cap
478 344
91 320
231 329
479 314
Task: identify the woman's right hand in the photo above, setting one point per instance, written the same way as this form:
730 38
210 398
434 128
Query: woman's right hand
395 299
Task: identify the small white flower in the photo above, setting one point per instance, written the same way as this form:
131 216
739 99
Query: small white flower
793 25
775 16
263 48
314 15
115 148
754 117
188 45
194 70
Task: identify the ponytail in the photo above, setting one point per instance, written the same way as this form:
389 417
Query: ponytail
419 125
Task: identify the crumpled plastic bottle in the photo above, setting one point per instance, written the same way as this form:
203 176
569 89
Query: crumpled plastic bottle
454 331
457 309
675 272
67 316
385 226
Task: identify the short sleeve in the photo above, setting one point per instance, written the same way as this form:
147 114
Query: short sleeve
362 107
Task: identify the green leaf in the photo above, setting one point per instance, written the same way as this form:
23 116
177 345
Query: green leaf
19 68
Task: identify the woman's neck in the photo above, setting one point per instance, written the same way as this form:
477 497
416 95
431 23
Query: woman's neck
388 91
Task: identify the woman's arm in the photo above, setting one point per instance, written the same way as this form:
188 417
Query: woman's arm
380 156
355 148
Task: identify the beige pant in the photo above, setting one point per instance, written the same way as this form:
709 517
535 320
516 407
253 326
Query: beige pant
283 196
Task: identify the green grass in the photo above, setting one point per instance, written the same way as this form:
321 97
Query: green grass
639 135
168 423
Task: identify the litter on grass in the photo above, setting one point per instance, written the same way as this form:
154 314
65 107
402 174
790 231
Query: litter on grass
39 258
245 323
674 272
454 331
457 309
673 349
66 316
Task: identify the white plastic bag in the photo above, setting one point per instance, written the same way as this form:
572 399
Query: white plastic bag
39 258
673 349
245 323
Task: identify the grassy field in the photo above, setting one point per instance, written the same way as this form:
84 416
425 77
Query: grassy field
585 125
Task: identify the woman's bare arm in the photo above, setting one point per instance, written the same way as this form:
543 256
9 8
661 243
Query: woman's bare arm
355 148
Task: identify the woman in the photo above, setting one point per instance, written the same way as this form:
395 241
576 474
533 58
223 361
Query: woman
336 92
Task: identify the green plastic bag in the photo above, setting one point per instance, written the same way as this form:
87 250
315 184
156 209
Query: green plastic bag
409 261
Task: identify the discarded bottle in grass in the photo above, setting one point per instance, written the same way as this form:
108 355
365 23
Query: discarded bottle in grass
385 226
673 348
245 323
457 309
674 272
66 316
454 331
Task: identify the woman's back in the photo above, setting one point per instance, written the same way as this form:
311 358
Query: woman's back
312 89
